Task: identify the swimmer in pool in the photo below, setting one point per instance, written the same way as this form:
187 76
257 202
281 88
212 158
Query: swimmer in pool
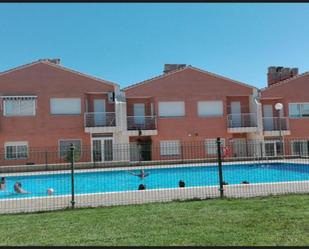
18 189
2 183
142 174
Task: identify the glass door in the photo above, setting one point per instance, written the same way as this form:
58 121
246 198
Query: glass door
99 112
236 114
273 148
268 118
139 115
102 149
270 149
97 150
239 147
108 149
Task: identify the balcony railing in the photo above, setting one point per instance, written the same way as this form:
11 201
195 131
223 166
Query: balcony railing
141 122
275 124
99 119
241 120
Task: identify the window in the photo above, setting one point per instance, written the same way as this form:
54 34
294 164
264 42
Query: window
210 108
299 147
16 150
64 146
169 147
19 107
65 106
172 109
211 146
298 110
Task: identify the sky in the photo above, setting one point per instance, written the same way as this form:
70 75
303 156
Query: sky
130 42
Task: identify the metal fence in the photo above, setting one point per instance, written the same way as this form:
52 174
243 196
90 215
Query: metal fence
49 179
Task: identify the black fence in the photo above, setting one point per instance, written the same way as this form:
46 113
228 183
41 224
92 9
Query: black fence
110 174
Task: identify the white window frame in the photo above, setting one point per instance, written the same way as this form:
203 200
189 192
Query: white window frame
199 103
304 149
171 116
300 108
170 148
274 143
19 114
59 113
15 144
69 139
213 143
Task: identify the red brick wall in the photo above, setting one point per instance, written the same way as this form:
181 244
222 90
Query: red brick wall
293 91
44 129
190 85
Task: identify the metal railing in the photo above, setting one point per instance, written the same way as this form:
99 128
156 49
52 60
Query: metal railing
203 169
275 123
141 122
99 119
242 120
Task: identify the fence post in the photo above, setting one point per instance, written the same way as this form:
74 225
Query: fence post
181 151
220 166
46 159
72 148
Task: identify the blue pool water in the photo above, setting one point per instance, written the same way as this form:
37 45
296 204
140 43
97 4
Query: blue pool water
121 180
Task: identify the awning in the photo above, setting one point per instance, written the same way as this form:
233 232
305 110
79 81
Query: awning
12 97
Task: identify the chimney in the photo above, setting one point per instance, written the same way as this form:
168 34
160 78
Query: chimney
55 61
277 74
171 67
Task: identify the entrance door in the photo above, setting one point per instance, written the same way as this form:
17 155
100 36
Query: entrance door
146 150
268 117
236 111
270 149
273 148
102 149
139 114
99 112
239 147
140 151
134 152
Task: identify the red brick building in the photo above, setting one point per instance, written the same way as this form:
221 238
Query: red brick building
47 106
177 115
291 89
188 105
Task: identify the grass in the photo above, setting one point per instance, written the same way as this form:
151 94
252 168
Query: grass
280 220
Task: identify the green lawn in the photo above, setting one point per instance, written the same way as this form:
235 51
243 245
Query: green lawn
281 220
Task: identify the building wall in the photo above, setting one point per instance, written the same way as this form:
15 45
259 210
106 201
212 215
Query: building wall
46 81
190 86
295 90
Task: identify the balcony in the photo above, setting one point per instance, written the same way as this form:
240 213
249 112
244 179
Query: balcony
142 125
100 122
273 126
242 122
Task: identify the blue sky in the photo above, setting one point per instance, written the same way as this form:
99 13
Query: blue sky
128 43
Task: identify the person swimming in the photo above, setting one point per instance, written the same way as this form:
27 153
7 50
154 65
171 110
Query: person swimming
142 174
2 183
18 189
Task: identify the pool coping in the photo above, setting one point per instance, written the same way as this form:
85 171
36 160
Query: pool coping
66 171
151 195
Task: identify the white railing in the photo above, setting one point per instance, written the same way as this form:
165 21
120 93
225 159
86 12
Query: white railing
99 119
142 122
275 123
242 120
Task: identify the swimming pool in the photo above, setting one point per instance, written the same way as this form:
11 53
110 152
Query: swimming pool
159 178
